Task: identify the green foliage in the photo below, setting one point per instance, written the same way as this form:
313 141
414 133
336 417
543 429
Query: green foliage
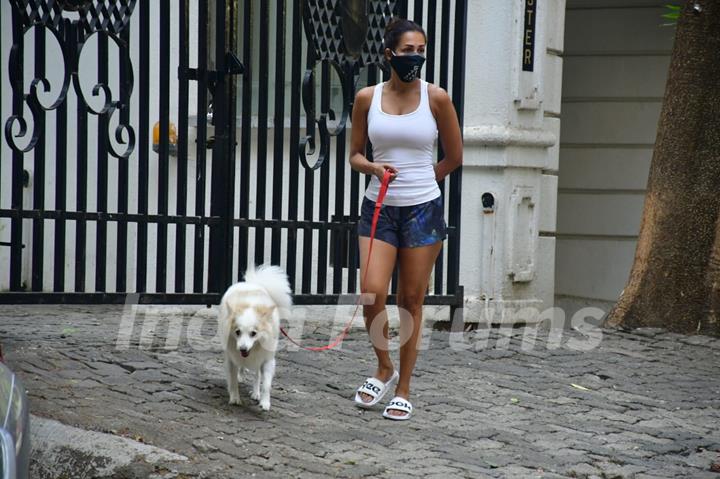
673 12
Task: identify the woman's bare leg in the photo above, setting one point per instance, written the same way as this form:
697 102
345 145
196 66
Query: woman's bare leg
416 264
381 267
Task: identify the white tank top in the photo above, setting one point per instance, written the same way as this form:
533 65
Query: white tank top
407 142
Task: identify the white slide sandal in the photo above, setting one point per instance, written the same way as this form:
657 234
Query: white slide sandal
398 404
374 388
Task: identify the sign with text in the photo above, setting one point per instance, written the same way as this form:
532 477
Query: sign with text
528 50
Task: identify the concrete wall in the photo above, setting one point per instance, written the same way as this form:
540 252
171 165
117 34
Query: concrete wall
616 60
511 127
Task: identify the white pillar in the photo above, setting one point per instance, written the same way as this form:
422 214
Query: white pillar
511 157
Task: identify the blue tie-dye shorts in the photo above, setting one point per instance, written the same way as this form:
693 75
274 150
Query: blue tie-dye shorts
405 226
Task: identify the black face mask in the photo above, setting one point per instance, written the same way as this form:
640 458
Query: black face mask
407 66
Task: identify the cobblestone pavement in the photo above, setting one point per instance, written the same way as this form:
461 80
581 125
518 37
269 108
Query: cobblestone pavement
641 404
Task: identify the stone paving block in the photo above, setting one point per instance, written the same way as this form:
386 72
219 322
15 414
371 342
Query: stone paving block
582 470
521 472
612 470
474 471
361 471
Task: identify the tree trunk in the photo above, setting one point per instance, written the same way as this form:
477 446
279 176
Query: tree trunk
675 279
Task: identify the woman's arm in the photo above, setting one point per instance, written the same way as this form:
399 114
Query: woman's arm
359 137
448 130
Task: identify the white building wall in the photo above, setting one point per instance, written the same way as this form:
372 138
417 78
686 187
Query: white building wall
616 62
511 127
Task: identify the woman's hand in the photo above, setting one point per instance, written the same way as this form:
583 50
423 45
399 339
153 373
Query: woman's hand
379 171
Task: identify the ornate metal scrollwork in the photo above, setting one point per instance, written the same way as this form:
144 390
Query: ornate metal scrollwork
348 34
103 17
74 5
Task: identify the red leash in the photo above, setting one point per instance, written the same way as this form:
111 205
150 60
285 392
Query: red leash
381 197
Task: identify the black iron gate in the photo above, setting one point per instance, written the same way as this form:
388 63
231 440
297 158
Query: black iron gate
106 196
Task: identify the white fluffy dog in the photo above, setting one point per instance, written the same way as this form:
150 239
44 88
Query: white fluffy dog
249 324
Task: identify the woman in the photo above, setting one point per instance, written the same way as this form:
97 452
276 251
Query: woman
402 118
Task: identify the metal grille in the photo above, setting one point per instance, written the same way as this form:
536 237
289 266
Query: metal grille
250 157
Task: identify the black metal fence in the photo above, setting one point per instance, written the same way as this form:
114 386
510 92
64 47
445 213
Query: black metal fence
177 141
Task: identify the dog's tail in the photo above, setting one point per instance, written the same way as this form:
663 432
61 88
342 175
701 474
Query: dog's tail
275 281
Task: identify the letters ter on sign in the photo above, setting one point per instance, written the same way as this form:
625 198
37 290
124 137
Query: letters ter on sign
528 58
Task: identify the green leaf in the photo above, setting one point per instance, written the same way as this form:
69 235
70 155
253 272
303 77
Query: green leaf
673 13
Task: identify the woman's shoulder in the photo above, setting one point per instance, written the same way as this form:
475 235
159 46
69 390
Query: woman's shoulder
363 97
439 99
436 93
365 93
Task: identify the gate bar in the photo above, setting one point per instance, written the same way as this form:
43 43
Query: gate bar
124 171
262 119
143 153
201 149
61 119
296 64
38 226
182 147
245 134
223 167
279 130
101 183
164 153
16 202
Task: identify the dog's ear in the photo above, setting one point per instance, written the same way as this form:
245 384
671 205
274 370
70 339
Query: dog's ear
236 304
225 323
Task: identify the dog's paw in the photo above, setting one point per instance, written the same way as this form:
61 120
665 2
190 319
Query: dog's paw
265 404
235 399
255 395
